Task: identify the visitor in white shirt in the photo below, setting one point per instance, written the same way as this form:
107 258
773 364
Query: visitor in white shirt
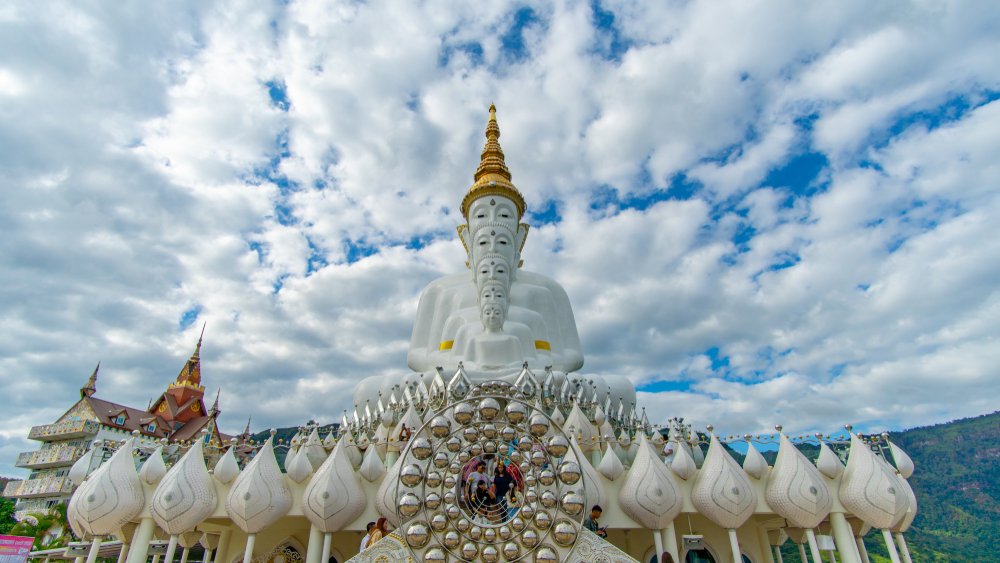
368 535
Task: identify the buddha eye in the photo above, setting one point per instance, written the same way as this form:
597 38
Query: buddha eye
504 215
481 216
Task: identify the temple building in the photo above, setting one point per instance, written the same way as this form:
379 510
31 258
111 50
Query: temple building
495 448
177 416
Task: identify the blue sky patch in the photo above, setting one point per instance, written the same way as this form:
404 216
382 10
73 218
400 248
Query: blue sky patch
357 249
611 44
512 44
663 385
548 214
278 93
189 316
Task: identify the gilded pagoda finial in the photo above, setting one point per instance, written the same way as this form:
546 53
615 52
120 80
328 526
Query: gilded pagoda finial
215 405
492 177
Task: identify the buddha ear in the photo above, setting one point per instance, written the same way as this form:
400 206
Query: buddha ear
522 236
466 238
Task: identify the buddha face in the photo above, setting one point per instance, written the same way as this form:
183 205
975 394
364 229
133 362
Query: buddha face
493 267
492 210
493 306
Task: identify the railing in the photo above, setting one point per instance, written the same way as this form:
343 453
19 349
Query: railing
66 429
46 486
50 457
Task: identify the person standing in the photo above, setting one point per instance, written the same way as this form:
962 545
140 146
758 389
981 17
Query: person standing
381 530
368 536
502 484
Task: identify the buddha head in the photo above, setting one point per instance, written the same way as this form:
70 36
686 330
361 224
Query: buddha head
493 306
493 266
493 207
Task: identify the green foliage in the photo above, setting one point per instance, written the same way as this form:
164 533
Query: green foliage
6 515
39 525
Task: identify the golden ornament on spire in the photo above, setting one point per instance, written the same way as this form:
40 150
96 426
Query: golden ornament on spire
492 176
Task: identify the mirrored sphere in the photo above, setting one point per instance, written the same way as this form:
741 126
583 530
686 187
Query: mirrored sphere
421 448
546 555
475 532
524 444
469 551
411 475
409 504
441 460
433 479
527 511
453 444
548 499
417 534
435 555
464 457
508 433
572 503
511 550
546 477
569 472
564 533
440 426
489 408
539 424
490 431
451 539
516 412
463 525
529 480
432 500
489 554
463 413
538 459
490 447
558 445
455 468
543 520
530 496
439 522
529 538
452 511
471 434
449 481
504 532
449 497
517 523
489 535
476 449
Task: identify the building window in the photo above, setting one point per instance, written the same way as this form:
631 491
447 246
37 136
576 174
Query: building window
151 428
120 420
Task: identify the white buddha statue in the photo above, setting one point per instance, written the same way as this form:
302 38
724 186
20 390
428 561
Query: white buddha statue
451 326
493 317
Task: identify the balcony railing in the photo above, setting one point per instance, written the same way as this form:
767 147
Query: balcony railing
64 430
46 486
49 457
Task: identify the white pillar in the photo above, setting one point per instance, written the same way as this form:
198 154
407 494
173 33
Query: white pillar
207 558
78 559
735 545
802 553
327 544
777 554
171 549
156 558
315 545
904 550
890 547
248 552
658 543
844 539
813 546
765 544
184 554
140 541
123 553
223 547
862 550
670 541
95 546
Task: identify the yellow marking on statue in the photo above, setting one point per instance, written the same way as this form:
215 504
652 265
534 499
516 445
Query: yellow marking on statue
446 345
543 345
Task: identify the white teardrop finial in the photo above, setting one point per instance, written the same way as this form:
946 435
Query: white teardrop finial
334 496
111 497
869 488
722 490
227 469
795 488
153 469
903 462
828 463
754 464
186 495
610 466
372 468
650 496
259 496
299 468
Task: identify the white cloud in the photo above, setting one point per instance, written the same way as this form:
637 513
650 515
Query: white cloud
148 171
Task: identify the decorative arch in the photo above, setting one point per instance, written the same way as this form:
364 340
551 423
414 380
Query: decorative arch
704 554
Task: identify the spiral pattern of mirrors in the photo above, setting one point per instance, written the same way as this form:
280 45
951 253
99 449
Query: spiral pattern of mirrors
494 423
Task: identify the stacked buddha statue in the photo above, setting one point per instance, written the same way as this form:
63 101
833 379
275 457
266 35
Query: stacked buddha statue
495 317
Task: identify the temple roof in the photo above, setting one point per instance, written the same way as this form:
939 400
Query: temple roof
492 177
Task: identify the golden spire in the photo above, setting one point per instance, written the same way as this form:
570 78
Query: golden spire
190 374
492 176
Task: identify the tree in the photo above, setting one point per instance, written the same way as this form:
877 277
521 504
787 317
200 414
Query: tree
6 515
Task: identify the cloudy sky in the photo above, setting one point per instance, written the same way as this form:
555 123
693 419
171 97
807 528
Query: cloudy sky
762 212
